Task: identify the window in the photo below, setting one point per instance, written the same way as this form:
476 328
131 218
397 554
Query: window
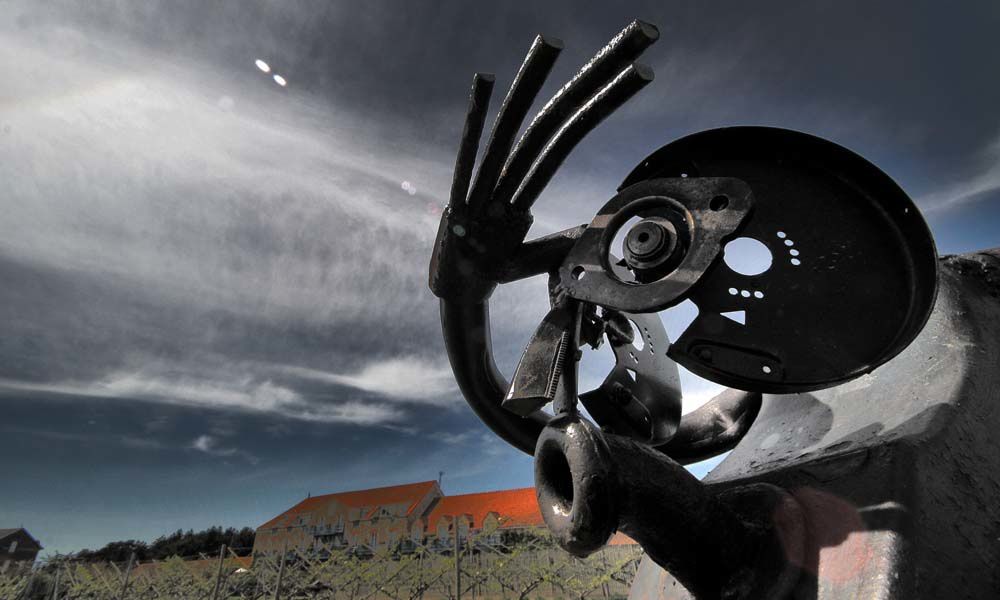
13 547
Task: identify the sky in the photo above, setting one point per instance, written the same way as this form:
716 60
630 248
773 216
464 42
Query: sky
213 295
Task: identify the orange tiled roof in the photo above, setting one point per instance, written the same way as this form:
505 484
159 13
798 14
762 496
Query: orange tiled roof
411 494
516 508
620 539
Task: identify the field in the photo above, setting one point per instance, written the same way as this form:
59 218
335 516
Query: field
530 566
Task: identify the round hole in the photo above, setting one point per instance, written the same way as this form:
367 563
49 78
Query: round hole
789 243
796 262
782 234
747 256
637 340
643 237
793 252
733 291
766 369
719 202
758 294
556 472
578 272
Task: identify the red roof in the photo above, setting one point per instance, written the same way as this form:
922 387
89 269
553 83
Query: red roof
411 494
516 508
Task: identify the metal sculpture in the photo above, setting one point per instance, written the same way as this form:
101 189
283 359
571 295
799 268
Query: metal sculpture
852 283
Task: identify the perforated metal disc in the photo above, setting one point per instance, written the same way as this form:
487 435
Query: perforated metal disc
853 273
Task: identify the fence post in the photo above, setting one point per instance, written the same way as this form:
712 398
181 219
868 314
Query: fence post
281 572
218 574
458 564
55 586
128 571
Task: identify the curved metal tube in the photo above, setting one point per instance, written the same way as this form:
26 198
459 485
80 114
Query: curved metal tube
708 431
611 60
475 119
625 85
714 427
535 68
467 339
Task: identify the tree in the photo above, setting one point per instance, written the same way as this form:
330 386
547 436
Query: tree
181 543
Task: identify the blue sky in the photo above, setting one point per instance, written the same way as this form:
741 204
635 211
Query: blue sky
214 287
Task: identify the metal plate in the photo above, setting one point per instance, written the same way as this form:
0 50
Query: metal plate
866 274
588 272
641 396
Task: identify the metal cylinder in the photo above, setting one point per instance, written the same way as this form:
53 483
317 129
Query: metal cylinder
591 484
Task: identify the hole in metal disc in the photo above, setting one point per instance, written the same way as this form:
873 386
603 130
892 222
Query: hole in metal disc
637 340
578 272
747 256
719 202
766 369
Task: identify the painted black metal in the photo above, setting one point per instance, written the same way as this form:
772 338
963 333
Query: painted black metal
858 288
535 68
588 275
476 250
590 485
823 492
641 396
619 53
609 99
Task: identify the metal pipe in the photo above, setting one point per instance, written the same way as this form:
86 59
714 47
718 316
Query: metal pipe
714 427
602 104
466 329
479 104
535 68
541 255
591 484
608 62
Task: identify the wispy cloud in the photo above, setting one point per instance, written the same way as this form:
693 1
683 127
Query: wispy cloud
210 445
240 395
408 378
984 180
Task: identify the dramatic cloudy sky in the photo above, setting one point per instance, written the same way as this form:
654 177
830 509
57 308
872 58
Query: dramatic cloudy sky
212 287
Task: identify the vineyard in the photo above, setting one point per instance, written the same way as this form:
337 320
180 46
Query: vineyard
530 566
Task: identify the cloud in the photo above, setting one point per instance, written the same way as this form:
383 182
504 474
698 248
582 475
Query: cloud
408 378
210 445
226 394
984 180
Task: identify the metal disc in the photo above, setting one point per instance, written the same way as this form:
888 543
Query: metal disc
853 271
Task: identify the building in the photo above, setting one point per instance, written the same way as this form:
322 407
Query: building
17 546
399 516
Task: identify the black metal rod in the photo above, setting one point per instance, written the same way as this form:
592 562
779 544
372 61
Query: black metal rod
541 255
466 330
535 68
479 104
714 427
608 62
602 104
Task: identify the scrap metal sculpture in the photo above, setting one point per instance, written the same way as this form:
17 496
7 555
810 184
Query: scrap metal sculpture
862 407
